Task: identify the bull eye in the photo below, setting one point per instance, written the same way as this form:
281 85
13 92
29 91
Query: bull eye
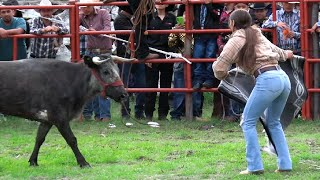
106 72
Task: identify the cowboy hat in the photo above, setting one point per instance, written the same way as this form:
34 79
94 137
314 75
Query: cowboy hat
88 1
45 3
258 6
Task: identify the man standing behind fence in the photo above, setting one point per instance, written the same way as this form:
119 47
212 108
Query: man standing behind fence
46 47
96 19
288 27
10 25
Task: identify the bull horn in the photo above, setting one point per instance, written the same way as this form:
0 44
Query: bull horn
98 61
121 59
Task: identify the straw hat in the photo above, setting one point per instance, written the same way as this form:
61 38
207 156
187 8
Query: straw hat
45 3
88 1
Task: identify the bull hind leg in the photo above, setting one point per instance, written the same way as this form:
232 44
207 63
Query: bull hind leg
66 132
43 130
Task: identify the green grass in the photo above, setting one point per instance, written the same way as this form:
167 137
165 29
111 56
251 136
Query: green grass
176 150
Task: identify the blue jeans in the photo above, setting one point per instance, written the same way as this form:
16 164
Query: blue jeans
269 95
204 48
139 78
178 97
99 105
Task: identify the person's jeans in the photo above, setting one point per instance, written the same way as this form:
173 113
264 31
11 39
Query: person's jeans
139 78
178 97
269 95
203 48
99 105
152 78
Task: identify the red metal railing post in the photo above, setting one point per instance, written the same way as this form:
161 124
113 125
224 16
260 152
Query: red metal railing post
187 67
15 48
307 64
73 24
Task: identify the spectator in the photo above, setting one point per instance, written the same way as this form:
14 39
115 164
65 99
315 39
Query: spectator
244 6
288 27
96 19
316 27
19 14
10 25
260 16
46 47
162 20
176 42
137 70
206 16
260 13
142 49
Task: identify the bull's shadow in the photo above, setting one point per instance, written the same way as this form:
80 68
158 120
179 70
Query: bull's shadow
54 92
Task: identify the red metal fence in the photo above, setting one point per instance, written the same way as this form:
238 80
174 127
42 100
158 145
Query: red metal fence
311 106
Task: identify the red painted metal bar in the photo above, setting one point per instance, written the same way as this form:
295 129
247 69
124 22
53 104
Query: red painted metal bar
188 90
15 49
77 32
187 67
37 7
302 49
307 69
73 24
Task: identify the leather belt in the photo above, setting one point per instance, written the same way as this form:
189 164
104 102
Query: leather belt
265 69
99 51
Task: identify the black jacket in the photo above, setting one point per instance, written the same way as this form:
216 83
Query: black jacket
160 41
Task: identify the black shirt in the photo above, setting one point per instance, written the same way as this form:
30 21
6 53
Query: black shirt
160 41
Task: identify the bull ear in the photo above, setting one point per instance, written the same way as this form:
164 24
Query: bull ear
88 61
121 59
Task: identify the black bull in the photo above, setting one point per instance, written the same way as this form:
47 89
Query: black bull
54 92
238 86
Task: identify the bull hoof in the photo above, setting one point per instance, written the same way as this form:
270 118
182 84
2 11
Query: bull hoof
85 165
33 164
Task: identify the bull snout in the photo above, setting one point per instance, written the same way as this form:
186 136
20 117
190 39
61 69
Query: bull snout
117 93
124 97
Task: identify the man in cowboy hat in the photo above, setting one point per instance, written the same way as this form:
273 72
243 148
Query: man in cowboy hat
259 13
287 24
10 25
46 47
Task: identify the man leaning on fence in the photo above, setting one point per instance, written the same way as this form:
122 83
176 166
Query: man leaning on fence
96 19
10 25
46 47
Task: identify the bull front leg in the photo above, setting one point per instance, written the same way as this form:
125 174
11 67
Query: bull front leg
66 132
43 130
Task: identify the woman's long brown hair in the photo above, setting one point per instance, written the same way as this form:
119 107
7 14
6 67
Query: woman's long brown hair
247 55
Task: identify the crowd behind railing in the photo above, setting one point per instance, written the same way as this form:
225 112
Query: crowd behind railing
207 15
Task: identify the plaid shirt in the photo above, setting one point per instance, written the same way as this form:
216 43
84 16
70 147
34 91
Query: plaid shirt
83 45
292 19
266 54
45 47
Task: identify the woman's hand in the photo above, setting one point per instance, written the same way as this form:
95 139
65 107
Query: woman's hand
289 54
